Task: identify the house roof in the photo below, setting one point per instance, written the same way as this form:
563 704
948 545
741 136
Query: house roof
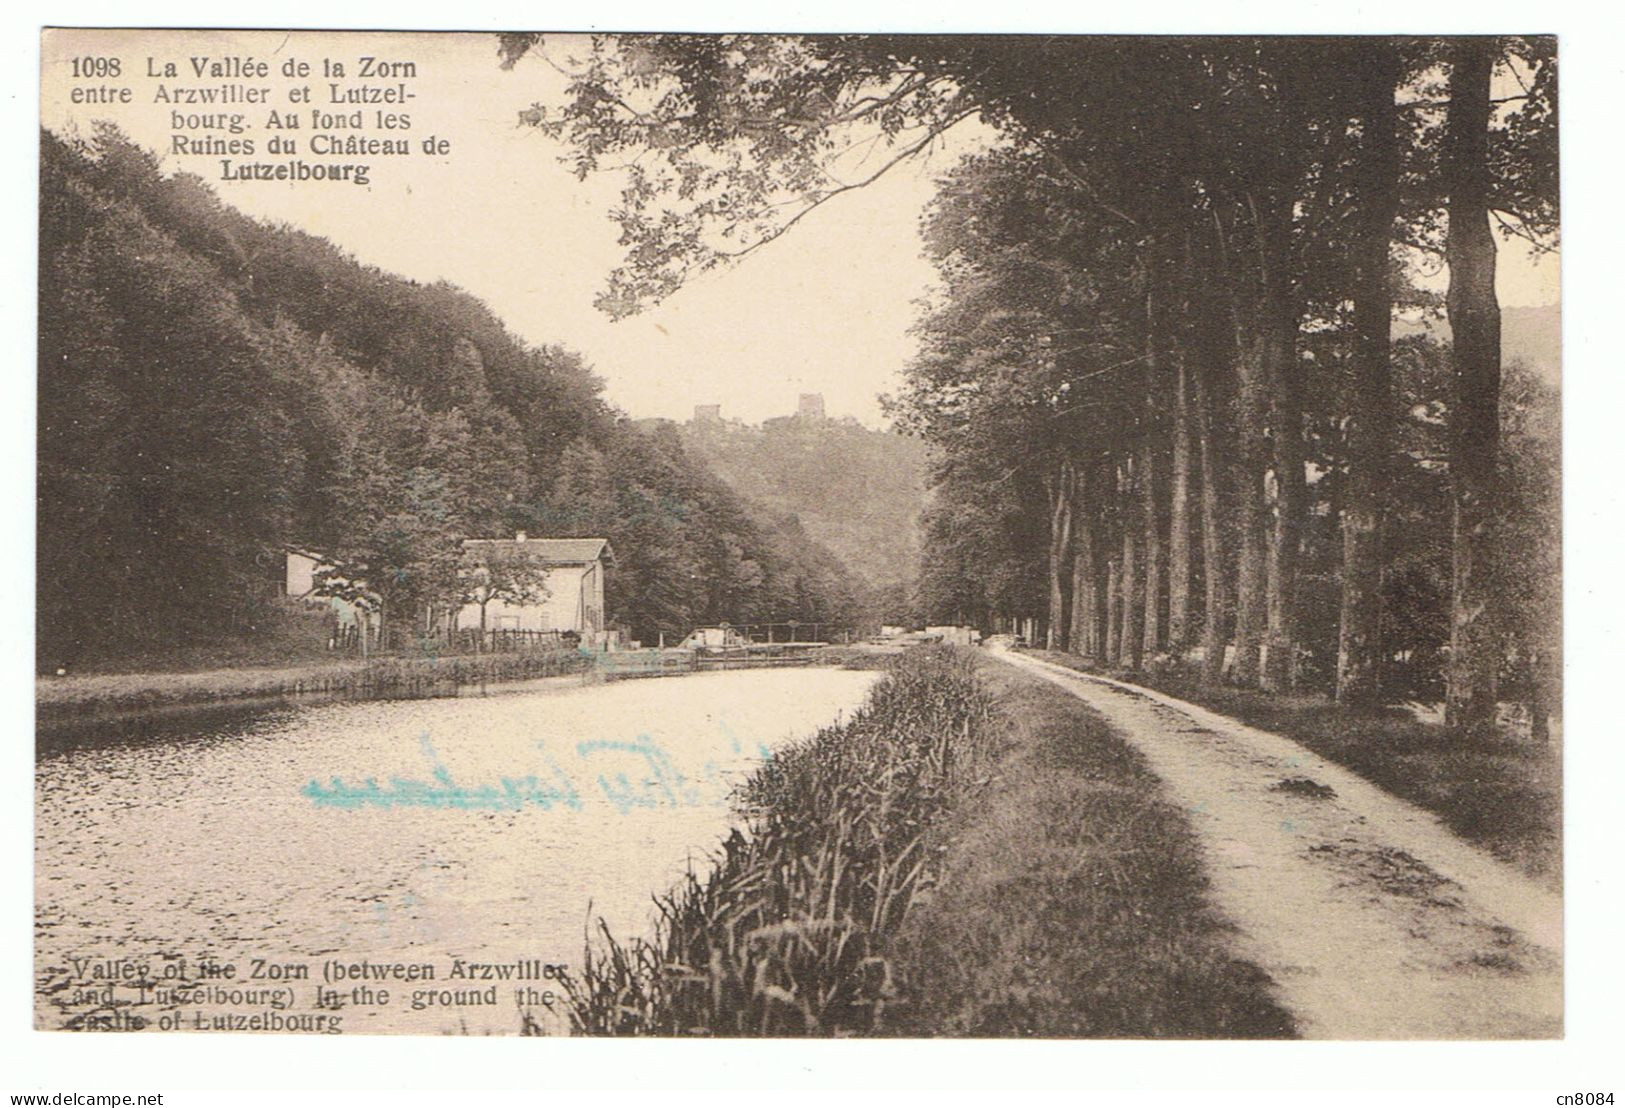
558 552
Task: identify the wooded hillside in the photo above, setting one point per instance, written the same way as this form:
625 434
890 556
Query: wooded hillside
212 388
857 491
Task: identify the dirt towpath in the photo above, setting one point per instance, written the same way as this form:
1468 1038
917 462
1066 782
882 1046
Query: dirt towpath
1374 920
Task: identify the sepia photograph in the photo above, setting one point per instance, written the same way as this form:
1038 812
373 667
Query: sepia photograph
909 536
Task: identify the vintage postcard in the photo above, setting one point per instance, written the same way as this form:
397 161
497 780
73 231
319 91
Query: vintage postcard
798 536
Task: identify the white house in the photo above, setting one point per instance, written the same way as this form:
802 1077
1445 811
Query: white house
351 617
574 583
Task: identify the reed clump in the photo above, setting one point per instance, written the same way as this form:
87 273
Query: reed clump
789 932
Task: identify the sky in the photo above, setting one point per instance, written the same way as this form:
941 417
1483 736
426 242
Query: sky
826 309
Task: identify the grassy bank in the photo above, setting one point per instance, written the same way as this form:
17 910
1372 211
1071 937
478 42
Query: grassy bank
1500 791
972 854
1072 899
788 935
56 697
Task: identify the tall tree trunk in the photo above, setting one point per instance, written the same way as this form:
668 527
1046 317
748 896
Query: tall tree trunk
1215 566
1151 622
1279 335
1475 358
1081 638
1061 492
1114 563
1151 590
1179 511
1251 508
1151 640
1114 625
1360 653
1084 637
1131 644
1542 687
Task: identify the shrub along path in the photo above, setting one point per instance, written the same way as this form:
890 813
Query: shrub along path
1373 919
1499 790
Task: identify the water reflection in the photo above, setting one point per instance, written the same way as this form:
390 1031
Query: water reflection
205 838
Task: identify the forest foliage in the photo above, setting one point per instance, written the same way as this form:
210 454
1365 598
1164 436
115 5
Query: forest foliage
213 388
1173 416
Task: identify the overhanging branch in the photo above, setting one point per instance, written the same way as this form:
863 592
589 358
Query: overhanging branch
825 197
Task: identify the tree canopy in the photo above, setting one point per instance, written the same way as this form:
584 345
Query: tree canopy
1160 371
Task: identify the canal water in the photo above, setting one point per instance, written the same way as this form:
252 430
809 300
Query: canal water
487 830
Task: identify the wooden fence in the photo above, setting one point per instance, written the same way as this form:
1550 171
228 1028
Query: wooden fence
467 641
507 641
791 632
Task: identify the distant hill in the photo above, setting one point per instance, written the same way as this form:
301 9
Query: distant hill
856 491
1533 336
